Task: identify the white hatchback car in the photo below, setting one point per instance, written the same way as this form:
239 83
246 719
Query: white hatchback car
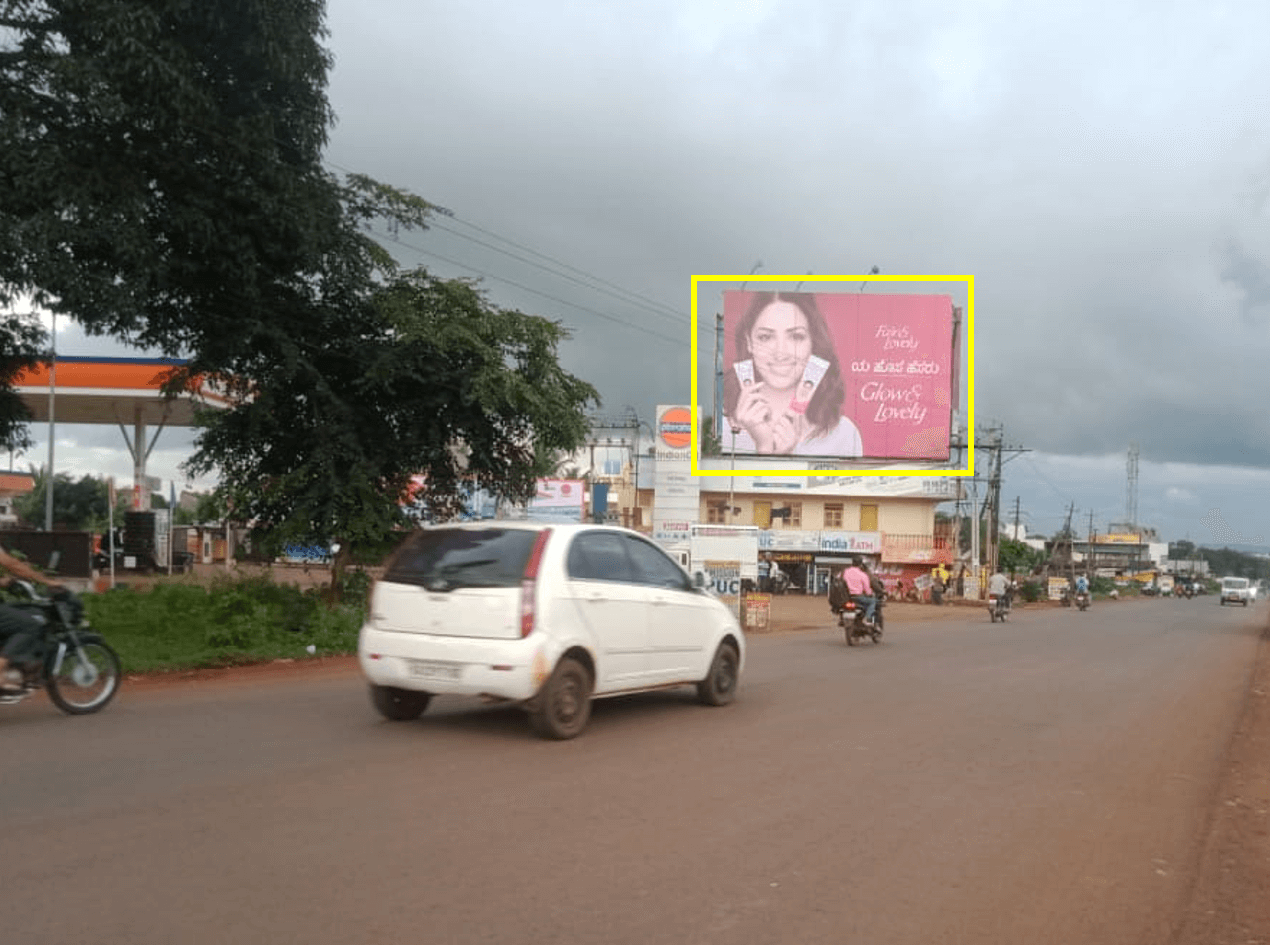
550 616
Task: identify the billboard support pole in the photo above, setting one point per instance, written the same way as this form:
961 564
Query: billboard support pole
718 374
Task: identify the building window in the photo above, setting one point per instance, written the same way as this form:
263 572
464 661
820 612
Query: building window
833 515
716 512
795 519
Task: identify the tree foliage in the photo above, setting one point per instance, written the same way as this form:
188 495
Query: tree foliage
78 504
161 162
1017 557
433 379
22 341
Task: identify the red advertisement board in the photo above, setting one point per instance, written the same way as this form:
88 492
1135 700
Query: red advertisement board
838 375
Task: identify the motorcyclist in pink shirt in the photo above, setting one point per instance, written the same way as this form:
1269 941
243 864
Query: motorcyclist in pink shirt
860 588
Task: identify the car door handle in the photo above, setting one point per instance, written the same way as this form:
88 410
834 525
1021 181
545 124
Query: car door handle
597 597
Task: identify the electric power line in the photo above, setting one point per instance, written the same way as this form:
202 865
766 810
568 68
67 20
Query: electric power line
553 298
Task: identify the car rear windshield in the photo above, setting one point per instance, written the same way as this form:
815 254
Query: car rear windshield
1235 583
443 559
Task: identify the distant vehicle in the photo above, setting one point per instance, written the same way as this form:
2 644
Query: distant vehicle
1236 590
545 616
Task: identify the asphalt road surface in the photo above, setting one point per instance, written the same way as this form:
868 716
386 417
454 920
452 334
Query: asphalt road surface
1046 780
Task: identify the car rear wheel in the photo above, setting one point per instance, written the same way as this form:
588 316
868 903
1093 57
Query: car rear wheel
399 705
719 686
563 708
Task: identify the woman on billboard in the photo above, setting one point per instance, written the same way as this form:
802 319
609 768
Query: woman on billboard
784 393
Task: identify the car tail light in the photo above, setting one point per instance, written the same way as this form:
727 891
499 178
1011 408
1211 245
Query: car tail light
529 583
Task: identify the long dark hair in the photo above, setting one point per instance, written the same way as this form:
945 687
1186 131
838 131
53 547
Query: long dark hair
825 409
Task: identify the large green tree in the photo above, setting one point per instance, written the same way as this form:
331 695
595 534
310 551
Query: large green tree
161 181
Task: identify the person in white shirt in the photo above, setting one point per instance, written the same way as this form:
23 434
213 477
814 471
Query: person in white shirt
999 586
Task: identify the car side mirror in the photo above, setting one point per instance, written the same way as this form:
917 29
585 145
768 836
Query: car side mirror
699 580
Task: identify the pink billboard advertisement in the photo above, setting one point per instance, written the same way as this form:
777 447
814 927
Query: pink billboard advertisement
839 375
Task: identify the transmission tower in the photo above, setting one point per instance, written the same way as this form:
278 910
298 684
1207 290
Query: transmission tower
1131 492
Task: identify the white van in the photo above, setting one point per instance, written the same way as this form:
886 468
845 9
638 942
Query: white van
1237 590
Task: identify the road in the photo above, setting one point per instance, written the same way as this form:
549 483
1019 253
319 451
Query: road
1046 780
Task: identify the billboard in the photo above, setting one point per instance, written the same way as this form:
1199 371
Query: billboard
558 500
841 375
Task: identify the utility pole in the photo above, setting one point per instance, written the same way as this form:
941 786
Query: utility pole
974 524
993 502
1016 519
992 441
1089 549
1071 548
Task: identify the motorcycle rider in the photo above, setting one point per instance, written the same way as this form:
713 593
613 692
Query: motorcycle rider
19 630
999 586
860 587
1082 585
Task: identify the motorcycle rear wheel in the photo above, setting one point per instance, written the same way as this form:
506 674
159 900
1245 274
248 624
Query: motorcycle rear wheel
87 679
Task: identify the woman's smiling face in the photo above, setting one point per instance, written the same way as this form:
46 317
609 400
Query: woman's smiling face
781 345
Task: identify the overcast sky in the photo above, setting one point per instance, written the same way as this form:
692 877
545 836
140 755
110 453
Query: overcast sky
1101 169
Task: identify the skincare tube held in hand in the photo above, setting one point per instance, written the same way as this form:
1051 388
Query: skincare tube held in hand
744 372
812 375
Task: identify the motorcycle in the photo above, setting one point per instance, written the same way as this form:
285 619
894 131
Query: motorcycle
1082 600
998 607
77 667
851 619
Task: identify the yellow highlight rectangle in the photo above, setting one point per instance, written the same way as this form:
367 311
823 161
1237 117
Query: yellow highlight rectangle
803 473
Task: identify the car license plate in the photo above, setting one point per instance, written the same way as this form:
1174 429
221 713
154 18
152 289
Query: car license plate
435 669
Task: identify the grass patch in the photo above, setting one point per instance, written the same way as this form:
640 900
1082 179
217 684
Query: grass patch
231 622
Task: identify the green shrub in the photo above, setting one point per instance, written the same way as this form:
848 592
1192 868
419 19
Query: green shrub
233 621
1032 591
1102 585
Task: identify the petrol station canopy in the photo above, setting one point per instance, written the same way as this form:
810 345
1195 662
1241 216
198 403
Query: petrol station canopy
111 390
123 391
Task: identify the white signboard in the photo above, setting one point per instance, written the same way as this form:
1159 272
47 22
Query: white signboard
161 536
865 543
558 500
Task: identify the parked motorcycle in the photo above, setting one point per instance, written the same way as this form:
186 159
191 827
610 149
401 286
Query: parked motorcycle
77 667
851 619
998 608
